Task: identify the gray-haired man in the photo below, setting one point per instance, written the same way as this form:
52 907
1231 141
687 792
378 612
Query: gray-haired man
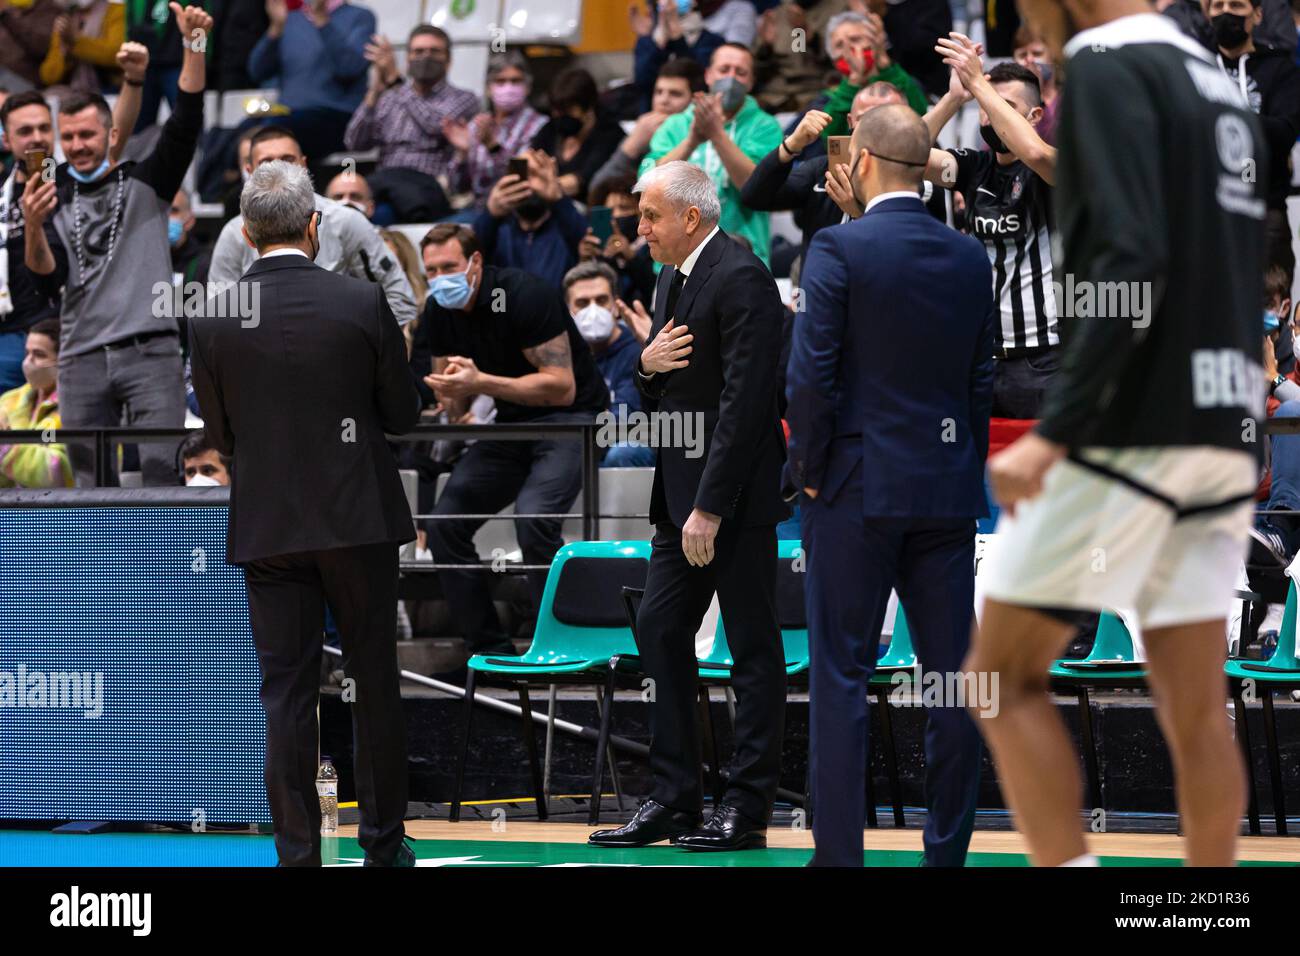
317 509
711 358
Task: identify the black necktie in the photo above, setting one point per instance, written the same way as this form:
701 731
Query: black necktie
674 291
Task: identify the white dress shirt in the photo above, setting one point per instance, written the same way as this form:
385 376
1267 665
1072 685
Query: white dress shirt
896 194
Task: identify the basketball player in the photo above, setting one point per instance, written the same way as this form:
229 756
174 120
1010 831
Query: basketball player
1134 490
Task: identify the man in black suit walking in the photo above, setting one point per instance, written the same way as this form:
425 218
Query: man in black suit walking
299 373
712 358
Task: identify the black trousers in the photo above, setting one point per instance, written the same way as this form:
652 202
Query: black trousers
677 596
1019 384
540 477
286 602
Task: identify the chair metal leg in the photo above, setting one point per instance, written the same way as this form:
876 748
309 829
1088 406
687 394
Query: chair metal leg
872 822
1243 741
891 758
1274 763
551 694
530 744
715 772
461 759
1089 748
605 704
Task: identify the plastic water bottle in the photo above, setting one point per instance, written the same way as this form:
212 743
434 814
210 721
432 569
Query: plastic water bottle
327 788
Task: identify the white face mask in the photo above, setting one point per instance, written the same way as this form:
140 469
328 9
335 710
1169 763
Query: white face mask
202 481
595 323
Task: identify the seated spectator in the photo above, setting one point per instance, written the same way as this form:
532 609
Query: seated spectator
1280 359
662 36
589 294
580 135
83 47
1270 83
625 251
191 257
349 244
202 466
409 259
530 358
25 33
678 81
352 189
725 133
484 145
405 119
35 405
807 186
856 44
316 54
1031 53
531 225
789 66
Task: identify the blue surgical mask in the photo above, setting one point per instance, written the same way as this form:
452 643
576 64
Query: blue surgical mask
684 7
88 177
451 291
174 231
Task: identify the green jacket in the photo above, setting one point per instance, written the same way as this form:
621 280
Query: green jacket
756 133
840 98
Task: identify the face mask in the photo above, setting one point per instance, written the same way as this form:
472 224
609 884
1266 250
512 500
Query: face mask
993 139
426 69
627 225
202 481
733 93
452 291
40 376
683 7
1295 347
174 231
566 126
595 323
1044 71
88 177
508 97
1229 30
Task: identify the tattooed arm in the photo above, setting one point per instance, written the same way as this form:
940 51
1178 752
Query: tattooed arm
552 384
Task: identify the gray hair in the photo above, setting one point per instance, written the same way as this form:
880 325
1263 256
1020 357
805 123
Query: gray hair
507 60
277 202
837 21
685 185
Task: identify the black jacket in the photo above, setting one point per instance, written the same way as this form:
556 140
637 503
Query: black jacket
775 186
299 383
1273 91
732 307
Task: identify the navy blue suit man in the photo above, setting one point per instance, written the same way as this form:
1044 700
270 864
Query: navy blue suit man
889 388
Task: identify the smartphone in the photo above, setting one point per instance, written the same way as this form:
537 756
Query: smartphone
35 159
602 222
519 167
838 150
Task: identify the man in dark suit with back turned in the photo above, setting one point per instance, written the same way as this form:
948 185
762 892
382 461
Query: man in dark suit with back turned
887 440
300 390
712 354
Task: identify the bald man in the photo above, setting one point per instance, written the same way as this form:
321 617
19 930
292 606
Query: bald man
888 436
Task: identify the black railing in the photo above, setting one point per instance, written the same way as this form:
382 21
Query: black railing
104 442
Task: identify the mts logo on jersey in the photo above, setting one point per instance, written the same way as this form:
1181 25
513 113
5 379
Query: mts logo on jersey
1223 378
995 225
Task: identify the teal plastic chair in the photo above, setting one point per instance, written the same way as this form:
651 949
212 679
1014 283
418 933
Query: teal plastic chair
1111 663
1280 672
571 644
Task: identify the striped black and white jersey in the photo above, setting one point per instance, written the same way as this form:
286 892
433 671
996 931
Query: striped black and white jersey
1009 209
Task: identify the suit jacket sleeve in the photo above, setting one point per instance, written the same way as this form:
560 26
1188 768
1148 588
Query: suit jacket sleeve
750 333
395 393
815 349
216 426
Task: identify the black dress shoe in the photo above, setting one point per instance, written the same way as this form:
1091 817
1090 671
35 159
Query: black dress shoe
404 857
652 823
727 829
